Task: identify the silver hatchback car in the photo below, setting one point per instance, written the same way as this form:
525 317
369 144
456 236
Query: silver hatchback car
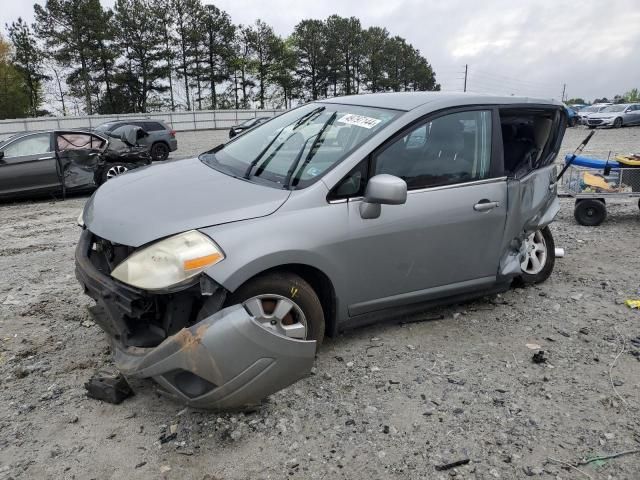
219 276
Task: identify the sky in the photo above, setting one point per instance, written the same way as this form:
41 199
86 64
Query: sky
522 47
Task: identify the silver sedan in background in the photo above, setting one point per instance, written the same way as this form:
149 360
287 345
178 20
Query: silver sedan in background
620 115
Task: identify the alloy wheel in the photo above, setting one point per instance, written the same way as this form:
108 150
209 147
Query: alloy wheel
535 254
116 170
279 314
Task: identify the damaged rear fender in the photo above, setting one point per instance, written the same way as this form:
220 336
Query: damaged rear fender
532 205
226 361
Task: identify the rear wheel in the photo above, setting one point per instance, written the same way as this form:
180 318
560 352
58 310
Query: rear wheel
112 170
284 303
539 258
159 152
590 212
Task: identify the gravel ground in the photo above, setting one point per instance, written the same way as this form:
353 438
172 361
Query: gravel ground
390 401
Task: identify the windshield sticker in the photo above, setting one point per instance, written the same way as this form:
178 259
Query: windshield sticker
314 172
359 120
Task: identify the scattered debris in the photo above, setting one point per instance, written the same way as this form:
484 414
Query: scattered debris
457 463
108 387
141 464
632 303
533 346
539 357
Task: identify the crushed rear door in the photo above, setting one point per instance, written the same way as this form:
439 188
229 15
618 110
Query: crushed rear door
531 186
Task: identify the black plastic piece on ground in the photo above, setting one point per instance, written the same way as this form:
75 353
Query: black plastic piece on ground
457 463
539 357
108 388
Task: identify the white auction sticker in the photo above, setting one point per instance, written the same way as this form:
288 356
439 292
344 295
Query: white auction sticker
359 120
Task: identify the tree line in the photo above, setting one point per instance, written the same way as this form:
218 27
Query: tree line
151 55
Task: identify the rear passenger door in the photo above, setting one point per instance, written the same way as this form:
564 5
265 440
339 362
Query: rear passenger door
28 164
446 239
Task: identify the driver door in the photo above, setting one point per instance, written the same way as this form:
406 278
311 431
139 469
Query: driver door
446 239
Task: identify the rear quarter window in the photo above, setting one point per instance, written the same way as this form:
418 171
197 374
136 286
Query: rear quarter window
153 126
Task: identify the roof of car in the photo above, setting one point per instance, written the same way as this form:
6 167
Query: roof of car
410 100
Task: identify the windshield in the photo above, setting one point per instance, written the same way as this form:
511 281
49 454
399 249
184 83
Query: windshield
614 108
591 109
296 148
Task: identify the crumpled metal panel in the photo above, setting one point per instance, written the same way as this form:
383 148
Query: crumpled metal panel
78 168
232 361
533 204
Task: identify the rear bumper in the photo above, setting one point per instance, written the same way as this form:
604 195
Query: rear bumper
225 361
173 144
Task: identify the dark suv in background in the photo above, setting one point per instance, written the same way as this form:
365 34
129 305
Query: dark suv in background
161 140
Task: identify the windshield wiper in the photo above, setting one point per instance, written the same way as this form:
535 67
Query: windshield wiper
300 121
294 164
304 118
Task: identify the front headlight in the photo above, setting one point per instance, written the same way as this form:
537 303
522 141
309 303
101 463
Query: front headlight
169 262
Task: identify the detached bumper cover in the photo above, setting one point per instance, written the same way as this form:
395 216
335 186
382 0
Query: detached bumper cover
226 361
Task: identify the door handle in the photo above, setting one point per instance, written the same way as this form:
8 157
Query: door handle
485 206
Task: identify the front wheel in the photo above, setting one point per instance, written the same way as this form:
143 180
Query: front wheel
540 257
283 302
617 123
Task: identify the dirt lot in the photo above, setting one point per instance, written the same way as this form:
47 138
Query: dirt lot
389 401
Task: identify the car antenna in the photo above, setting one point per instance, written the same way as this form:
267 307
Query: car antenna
577 152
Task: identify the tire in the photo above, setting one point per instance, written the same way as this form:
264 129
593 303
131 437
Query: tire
638 203
270 290
159 152
590 212
111 170
573 122
591 127
533 273
617 123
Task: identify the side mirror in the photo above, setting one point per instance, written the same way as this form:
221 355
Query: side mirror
381 190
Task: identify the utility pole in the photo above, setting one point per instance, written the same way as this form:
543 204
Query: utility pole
564 88
466 70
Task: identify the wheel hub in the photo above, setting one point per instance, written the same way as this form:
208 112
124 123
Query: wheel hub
535 254
116 170
278 313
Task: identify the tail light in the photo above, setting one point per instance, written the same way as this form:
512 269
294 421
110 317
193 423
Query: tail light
172 133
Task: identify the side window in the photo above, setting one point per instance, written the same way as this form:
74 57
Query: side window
353 184
31 145
451 149
152 126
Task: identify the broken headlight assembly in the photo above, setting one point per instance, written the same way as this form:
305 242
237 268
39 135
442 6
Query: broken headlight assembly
169 263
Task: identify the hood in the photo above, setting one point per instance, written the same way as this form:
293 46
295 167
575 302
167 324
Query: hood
164 199
604 114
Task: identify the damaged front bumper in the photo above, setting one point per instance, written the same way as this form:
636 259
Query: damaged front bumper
226 360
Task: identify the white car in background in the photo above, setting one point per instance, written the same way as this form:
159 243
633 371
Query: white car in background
586 111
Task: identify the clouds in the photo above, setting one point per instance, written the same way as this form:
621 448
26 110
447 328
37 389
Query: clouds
526 47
